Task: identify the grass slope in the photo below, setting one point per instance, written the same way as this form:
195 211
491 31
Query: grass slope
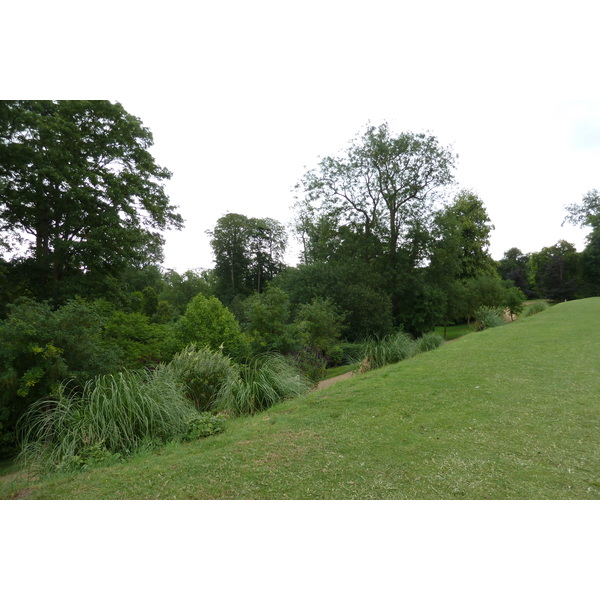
508 413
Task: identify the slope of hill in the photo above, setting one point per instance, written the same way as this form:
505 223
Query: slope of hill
508 413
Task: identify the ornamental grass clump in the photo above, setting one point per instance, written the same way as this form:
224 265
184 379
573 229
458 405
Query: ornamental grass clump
266 380
202 372
535 308
389 350
113 414
488 316
429 341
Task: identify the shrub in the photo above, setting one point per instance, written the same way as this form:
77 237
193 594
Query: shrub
311 362
320 324
116 414
207 322
486 316
39 348
202 373
266 380
533 309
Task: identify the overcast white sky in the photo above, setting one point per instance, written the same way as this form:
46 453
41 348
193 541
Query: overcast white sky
242 97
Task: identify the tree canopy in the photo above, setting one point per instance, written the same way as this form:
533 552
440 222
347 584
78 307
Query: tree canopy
248 254
81 196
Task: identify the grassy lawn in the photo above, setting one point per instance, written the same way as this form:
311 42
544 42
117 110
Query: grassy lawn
507 413
454 331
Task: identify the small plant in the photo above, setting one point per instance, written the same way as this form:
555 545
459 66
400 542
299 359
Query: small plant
487 316
204 424
535 308
265 380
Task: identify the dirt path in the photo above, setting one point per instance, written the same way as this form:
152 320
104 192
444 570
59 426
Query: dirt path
327 382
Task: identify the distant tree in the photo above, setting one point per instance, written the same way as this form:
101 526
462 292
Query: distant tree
179 289
484 290
513 299
357 291
463 228
81 197
587 214
382 186
555 271
514 265
248 254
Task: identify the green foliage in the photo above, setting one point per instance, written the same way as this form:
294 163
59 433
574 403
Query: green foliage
248 254
320 325
200 425
114 413
263 382
207 323
556 272
429 341
389 350
514 265
310 362
394 348
463 231
202 373
513 299
534 308
39 347
268 322
488 316
179 289
356 290
484 290
142 343
79 185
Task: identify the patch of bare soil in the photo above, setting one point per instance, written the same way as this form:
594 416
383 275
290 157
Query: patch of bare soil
327 382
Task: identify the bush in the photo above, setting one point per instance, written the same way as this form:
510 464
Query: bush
266 380
533 309
311 362
39 348
114 414
486 317
202 373
207 322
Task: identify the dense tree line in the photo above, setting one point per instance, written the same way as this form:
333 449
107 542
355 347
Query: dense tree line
388 244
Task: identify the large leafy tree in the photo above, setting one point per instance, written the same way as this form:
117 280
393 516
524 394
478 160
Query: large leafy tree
382 188
81 196
463 229
374 204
